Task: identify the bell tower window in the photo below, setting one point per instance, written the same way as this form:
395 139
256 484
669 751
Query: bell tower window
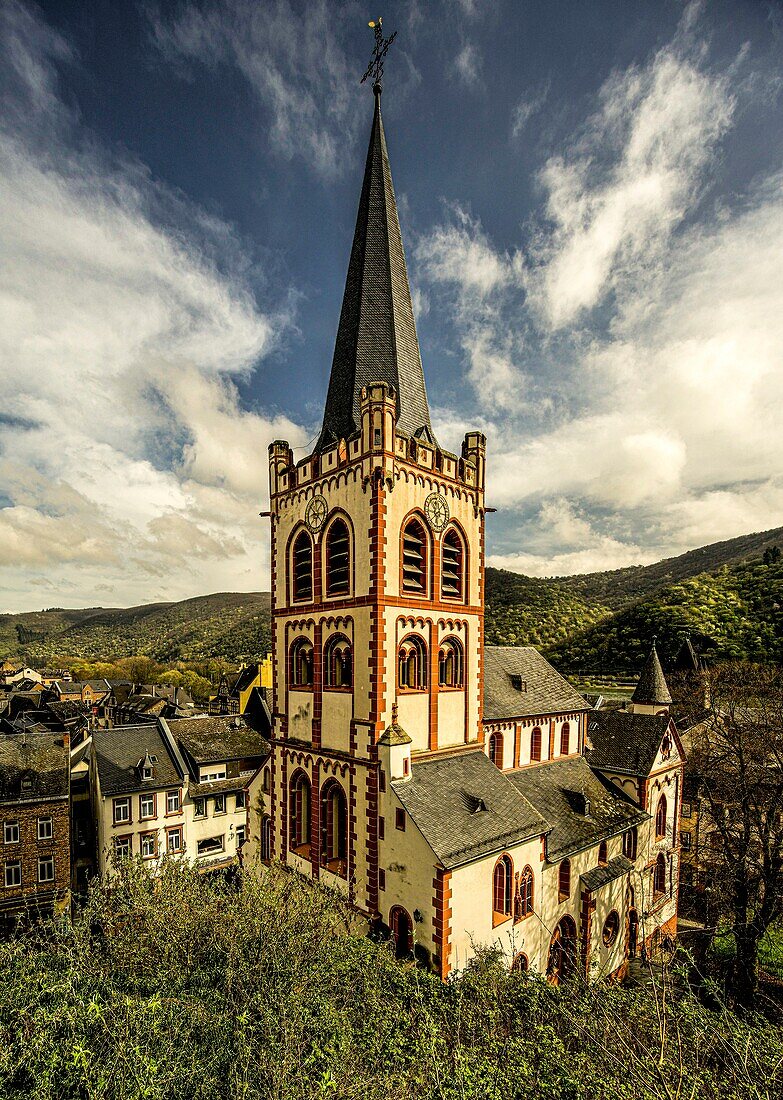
412 664
414 558
338 663
338 559
451 665
452 578
303 567
301 675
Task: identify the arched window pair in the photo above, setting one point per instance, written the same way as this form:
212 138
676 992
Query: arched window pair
412 664
660 818
300 674
451 664
523 895
502 889
334 822
415 561
337 563
338 663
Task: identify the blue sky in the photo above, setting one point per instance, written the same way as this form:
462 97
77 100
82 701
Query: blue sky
591 198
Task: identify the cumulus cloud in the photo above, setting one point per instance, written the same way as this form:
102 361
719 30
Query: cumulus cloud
125 321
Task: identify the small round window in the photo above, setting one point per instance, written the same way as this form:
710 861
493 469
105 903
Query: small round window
611 928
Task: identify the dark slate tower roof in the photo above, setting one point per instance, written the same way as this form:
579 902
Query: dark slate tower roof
652 689
687 660
376 337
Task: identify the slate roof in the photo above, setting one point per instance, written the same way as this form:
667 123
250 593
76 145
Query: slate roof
687 660
600 876
625 742
68 687
445 798
558 789
219 786
245 678
40 758
376 336
217 738
117 753
652 688
543 690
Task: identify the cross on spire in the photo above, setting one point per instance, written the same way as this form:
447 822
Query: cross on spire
375 68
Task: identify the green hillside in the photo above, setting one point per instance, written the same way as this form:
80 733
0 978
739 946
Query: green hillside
526 611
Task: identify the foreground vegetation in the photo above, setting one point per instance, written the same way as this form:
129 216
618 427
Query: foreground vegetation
186 987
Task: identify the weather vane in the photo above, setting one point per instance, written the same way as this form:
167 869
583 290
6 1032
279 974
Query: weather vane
375 68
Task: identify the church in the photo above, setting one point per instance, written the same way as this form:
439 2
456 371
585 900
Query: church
457 794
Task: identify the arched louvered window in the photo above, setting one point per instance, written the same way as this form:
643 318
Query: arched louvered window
338 559
299 814
338 663
565 739
301 664
564 880
603 853
412 664
414 558
524 897
496 749
303 567
502 882
660 818
659 876
452 569
334 828
451 664
535 743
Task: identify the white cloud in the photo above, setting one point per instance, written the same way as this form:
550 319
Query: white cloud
467 65
528 106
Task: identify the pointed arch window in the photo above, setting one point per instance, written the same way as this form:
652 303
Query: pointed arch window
660 818
524 897
564 880
452 575
451 664
299 814
502 882
603 854
496 749
565 739
334 828
414 558
338 663
412 664
535 744
303 567
338 559
301 664
659 876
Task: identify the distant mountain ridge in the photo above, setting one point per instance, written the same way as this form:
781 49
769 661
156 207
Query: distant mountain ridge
724 595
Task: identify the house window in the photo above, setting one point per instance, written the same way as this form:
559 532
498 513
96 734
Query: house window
122 847
565 739
496 749
13 873
121 811
299 814
535 744
266 781
502 881
301 661
611 928
172 802
146 806
412 664
45 828
686 809
174 839
46 869
685 841
381 828
220 804
452 578
11 832
630 842
524 895
603 854
241 800
208 776
660 818
381 780
210 845
199 807
381 879
338 559
659 876
240 834
149 845
414 558
564 880
338 663
399 819
451 664
334 828
303 567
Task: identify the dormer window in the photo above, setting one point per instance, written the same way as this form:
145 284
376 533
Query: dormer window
518 683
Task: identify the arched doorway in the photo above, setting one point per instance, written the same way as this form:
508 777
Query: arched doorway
562 952
633 933
402 932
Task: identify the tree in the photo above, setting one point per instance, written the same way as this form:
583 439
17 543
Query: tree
141 670
737 753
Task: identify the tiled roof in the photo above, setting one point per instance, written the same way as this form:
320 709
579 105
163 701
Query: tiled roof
625 742
600 876
41 759
558 790
117 754
520 683
652 689
218 737
465 808
376 336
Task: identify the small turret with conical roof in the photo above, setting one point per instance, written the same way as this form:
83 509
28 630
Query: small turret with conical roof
652 695
394 749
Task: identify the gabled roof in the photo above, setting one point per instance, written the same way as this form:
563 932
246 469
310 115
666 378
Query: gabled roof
652 689
558 790
376 336
520 683
465 808
218 737
625 742
117 753
33 765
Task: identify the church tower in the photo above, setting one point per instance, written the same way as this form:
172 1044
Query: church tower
377 580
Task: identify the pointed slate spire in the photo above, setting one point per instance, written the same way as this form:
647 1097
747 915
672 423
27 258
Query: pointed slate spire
652 689
376 337
687 660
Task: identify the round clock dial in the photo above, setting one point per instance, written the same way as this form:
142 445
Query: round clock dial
315 513
437 510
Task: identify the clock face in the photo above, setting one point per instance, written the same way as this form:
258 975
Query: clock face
315 513
437 510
